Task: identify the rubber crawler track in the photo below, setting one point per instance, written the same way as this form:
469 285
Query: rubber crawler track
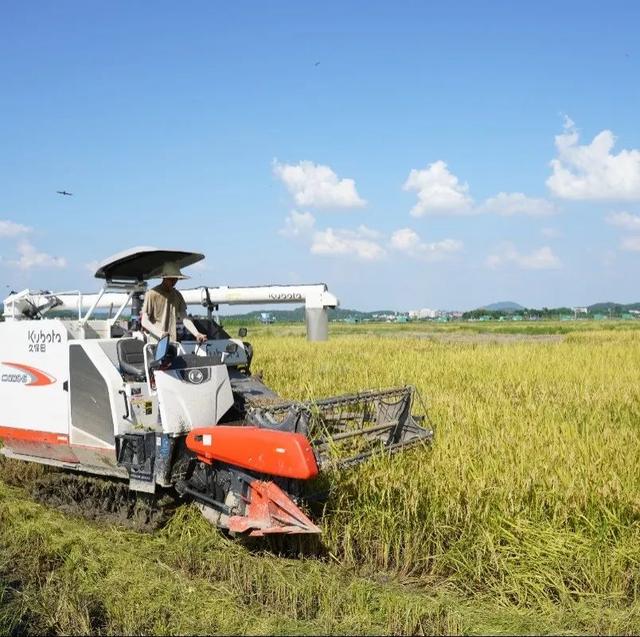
103 500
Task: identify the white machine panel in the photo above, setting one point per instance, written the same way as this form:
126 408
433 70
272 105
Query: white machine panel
97 406
187 405
34 370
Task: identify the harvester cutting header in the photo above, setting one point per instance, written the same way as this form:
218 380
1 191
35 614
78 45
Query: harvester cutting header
179 411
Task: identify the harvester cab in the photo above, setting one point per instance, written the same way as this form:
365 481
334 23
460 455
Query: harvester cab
90 395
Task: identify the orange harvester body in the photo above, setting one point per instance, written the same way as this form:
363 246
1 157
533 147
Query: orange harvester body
278 453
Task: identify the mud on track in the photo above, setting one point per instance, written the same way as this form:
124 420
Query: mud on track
98 499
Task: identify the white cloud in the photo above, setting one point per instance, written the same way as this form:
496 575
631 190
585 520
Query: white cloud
368 233
318 186
631 243
624 220
439 191
359 243
516 203
592 171
12 229
407 241
363 243
540 259
298 224
31 258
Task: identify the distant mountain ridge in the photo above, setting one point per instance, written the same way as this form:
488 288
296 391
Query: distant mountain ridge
503 306
298 314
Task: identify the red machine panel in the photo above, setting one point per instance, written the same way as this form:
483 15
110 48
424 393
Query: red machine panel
278 453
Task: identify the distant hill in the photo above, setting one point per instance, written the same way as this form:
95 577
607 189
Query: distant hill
616 307
297 314
503 306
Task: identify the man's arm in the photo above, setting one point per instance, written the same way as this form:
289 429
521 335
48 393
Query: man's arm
199 336
150 327
148 316
187 322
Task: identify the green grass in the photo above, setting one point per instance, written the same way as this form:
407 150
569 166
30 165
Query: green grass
524 516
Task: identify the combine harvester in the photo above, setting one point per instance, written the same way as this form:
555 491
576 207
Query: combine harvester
88 395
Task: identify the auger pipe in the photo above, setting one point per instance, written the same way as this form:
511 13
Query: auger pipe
316 297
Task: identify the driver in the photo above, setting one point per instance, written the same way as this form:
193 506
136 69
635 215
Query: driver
164 308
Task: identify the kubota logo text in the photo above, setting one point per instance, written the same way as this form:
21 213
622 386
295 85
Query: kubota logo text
40 336
26 375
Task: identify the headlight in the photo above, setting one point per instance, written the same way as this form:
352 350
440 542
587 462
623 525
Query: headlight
195 376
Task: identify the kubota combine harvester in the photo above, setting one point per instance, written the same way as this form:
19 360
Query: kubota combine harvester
88 395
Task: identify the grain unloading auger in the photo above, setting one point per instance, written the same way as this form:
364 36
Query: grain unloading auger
89 395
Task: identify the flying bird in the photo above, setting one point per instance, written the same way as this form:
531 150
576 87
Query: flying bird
317 64
64 192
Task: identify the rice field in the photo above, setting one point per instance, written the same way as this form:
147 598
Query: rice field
523 517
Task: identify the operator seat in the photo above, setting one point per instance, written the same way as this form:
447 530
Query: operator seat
131 357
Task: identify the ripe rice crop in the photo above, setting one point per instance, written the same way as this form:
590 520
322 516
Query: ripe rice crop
531 490
523 516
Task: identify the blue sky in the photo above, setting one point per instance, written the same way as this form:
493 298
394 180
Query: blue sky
400 152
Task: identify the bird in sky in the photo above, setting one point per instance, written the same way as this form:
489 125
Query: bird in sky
64 192
317 64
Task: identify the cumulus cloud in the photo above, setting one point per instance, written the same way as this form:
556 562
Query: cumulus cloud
12 229
631 243
516 203
624 220
30 257
408 241
316 185
361 243
439 191
298 224
593 171
540 259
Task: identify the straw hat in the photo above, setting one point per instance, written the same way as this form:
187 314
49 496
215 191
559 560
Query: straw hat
170 270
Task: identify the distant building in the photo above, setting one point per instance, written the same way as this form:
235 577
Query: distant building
424 313
384 317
